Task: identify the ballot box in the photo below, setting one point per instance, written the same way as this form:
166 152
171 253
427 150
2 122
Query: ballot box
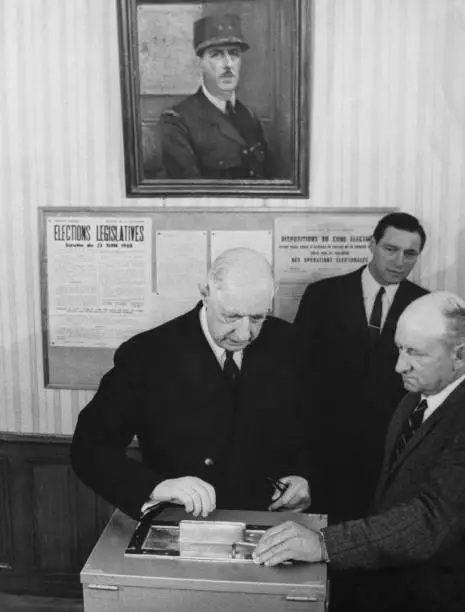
121 575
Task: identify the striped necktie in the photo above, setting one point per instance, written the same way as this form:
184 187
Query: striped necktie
411 426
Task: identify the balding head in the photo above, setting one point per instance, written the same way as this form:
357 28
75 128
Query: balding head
243 269
238 296
431 338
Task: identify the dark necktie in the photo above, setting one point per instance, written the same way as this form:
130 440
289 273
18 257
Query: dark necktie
374 325
231 113
231 371
410 427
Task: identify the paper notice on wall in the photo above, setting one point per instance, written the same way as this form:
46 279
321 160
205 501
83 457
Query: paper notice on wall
260 240
181 262
165 308
309 248
99 279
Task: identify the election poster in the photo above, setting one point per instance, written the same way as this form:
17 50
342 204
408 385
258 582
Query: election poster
99 279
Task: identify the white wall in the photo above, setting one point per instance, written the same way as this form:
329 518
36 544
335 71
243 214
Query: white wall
388 117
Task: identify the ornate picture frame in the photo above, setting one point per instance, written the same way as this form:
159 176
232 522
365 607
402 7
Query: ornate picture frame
179 143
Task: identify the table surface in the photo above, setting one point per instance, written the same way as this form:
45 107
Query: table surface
108 565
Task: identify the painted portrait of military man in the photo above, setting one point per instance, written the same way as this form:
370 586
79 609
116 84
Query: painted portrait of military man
212 134
217 96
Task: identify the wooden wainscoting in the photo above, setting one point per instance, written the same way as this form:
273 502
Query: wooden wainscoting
49 521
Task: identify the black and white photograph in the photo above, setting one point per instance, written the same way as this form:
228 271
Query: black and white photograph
232 306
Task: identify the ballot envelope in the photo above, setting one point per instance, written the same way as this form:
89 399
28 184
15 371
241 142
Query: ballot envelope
173 562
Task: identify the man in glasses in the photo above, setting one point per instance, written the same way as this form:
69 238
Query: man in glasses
214 399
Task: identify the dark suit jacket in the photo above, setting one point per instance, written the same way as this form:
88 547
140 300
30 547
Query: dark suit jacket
167 388
357 389
416 535
199 141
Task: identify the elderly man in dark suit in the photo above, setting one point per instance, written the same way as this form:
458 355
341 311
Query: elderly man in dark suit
413 542
211 134
348 324
214 399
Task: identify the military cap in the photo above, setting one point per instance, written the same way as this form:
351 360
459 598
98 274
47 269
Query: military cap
218 30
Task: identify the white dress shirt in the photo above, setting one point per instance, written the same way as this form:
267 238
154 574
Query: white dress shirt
434 401
220 353
218 102
370 289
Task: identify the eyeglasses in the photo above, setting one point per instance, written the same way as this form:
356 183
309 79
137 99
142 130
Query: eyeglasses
278 484
254 319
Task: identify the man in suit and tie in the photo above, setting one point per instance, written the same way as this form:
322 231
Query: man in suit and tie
408 554
347 323
214 398
211 134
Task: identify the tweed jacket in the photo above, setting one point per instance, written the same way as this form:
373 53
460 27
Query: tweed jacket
418 519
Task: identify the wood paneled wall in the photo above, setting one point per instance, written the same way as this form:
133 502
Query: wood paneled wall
49 520
388 129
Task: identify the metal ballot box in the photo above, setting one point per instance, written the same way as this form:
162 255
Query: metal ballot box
115 579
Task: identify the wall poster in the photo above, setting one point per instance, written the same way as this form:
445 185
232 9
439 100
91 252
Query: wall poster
110 273
311 247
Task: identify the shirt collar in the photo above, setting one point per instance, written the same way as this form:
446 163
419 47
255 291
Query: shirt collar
220 353
434 401
371 287
218 102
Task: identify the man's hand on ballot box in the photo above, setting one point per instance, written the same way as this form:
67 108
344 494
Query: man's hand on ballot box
291 493
289 542
196 495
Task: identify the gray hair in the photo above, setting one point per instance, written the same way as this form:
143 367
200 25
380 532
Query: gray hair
452 308
232 260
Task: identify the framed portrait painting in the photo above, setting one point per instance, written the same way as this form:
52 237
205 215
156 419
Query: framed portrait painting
216 97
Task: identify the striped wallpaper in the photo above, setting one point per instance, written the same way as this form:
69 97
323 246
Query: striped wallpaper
388 117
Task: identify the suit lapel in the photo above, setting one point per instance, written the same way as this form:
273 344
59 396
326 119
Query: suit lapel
228 130
214 117
409 406
393 433
355 314
200 365
400 302
426 428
